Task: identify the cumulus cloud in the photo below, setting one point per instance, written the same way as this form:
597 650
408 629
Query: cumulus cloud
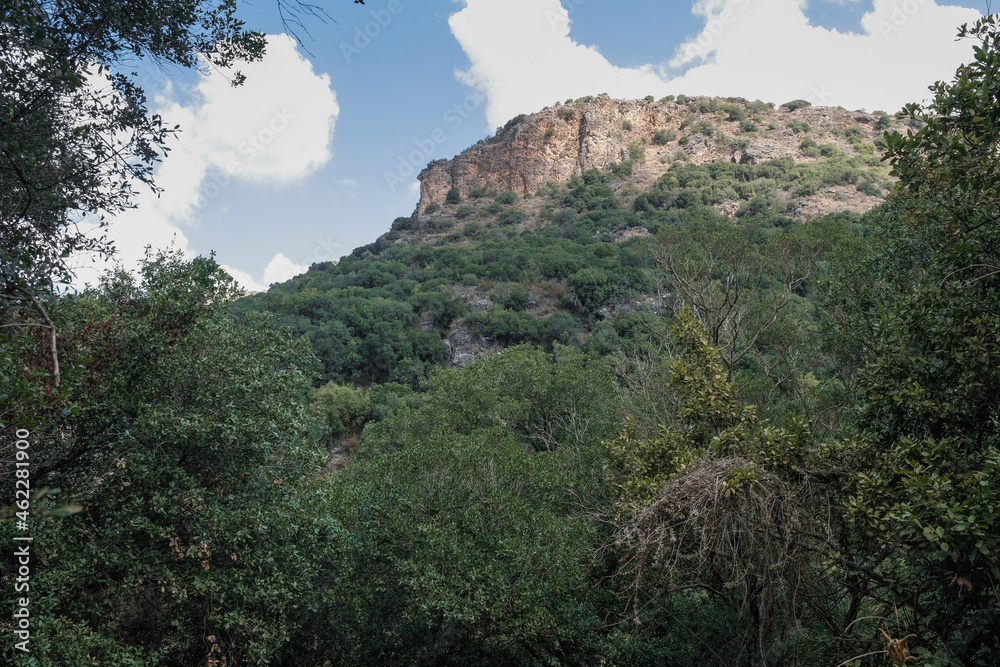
521 54
523 58
773 53
276 129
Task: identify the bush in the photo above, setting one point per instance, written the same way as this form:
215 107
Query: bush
432 208
796 104
649 98
453 197
704 127
636 152
627 125
440 225
734 112
664 137
830 150
868 189
798 126
854 134
464 212
506 198
748 126
474 230
478 193
512 216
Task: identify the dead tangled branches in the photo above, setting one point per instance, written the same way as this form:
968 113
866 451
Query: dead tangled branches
897 650
726 526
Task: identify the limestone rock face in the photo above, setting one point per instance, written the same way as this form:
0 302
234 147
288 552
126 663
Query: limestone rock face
566 140
552 145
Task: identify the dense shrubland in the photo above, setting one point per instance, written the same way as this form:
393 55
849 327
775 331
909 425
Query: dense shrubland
787 455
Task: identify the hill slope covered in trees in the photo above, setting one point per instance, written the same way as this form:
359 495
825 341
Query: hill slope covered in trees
725 428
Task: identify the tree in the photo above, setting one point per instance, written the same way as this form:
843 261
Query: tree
924 501
76 136
719 504
200 524
469 519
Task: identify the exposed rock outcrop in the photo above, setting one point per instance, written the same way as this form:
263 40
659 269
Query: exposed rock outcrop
566 140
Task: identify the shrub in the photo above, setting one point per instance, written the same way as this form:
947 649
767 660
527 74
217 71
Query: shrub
868 189
754 207
829 150
512 216
506 198
798 126
748 126
627 125
474 230
649 98
453 197
432 208
515 298
807 189
478 193
636 152
663 137
734 112
440 225
854 134
704 127
796 104
464 212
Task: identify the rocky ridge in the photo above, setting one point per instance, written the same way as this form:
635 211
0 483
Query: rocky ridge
565 140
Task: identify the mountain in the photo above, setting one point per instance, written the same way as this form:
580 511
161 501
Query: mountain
566 140
547 231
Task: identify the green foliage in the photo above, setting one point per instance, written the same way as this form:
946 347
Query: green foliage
506 198
340 409
664 137
453 197
924 293
198 489
75 129
512 216
795 105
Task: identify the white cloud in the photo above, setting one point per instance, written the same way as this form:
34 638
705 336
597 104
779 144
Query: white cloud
772 53
281 269
522 55
523 58
347 183
278 270
275 129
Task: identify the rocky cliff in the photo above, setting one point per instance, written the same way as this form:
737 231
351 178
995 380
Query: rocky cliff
565 140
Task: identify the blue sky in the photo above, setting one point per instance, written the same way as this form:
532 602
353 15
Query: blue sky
317 153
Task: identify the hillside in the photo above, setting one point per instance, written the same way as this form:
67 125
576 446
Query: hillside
660 387
600 133
545 232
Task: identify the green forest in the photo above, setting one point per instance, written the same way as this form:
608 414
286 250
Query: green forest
782 434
